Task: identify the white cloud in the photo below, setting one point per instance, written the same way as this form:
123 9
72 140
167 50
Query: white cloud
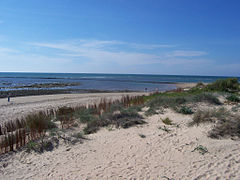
7 50
185 61
186 53
95 51
150 46
36 58
99 44
98 51
97 56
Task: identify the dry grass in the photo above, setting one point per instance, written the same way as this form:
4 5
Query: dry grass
124 118
65 116
17 133
39 122
121 113
14 134
167 121
227 127
204 116
227 124
174 100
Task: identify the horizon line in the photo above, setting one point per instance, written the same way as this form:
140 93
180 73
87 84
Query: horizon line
119 73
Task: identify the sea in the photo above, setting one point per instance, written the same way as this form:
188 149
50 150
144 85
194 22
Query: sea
103 82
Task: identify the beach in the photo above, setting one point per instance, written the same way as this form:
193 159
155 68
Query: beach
116 153
21 106
119 90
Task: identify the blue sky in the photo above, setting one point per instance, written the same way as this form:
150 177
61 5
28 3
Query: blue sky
186 37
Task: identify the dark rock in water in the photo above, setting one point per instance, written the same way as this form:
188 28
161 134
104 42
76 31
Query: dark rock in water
47 85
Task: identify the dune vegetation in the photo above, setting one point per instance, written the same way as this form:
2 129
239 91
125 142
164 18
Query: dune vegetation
35 129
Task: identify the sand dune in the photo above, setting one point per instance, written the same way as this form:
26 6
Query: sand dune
123 154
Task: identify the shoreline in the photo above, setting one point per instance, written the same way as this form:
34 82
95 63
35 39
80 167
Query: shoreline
42 92
37 92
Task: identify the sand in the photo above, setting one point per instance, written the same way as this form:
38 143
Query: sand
187 86
21 106
122 153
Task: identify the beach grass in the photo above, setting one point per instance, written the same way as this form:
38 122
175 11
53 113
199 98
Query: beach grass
185 110
167 121
124 113
209 116
233 98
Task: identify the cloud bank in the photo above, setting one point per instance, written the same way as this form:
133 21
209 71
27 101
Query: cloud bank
92 55
119 52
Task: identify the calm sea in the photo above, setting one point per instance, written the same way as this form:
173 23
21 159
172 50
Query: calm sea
114 82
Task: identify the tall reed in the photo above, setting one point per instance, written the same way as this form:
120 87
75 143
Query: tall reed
16 133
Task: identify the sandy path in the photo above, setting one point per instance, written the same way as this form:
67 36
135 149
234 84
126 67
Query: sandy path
123 154
21 106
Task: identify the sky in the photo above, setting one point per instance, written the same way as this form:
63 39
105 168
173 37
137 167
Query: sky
178 37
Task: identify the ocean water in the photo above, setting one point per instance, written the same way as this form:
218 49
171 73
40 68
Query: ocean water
113 82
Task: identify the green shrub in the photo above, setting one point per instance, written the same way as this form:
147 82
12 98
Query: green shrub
201 149
227 85
39 122
65 116
65 111
116 107
203 116
200 85
227 127
53 131
167 121
233 98
78 135
125 118
84 115
92 127
165 102
40 147
150 112
175 100
31 146
227 124
179 100
126 122
135 108
209 97
185 110
129 112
